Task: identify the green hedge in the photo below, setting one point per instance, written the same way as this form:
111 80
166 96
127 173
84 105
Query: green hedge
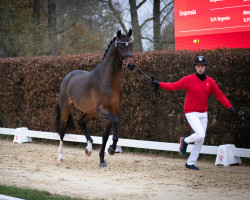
30 88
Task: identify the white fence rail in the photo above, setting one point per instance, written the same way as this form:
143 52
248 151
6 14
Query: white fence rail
5 197
226 154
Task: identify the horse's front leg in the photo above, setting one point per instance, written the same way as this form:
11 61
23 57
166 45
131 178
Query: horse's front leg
104 142
106 114
112 147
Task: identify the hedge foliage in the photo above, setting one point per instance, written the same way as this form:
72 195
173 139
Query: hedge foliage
30 88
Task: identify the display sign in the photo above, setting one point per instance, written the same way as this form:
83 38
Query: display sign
210 24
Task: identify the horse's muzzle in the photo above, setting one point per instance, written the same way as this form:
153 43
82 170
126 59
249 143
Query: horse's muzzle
130 67
129 62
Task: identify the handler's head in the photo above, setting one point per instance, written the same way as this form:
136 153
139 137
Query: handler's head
200 64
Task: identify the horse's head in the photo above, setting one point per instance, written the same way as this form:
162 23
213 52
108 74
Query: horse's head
125 47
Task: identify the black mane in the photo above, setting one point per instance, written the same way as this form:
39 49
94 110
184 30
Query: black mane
108 47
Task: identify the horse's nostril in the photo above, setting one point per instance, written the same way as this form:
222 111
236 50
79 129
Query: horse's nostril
131 67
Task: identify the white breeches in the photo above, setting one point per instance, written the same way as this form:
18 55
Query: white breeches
198 122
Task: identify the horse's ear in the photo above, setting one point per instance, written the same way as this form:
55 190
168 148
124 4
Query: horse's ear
119 33
129 33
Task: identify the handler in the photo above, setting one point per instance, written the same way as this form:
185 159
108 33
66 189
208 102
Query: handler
198 87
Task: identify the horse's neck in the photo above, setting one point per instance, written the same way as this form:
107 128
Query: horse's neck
111 68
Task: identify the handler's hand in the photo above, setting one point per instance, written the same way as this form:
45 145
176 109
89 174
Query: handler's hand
233 110
155 83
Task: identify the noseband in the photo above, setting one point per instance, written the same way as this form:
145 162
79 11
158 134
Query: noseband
123 58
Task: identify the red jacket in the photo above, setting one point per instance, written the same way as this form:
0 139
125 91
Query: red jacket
197 92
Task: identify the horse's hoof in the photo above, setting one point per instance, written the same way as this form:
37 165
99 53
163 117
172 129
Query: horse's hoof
88 152
111 151
102 165
59 162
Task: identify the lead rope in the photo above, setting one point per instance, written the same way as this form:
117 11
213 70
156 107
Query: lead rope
149 79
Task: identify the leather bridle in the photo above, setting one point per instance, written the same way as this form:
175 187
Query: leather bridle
123 58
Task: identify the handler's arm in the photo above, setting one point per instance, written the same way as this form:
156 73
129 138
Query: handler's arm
181 84
220 96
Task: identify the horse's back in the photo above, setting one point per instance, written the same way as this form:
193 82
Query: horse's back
77 73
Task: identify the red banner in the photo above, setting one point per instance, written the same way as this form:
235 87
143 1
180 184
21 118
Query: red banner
208 24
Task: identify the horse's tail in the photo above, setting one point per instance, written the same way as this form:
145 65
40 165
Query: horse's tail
70 122
57 118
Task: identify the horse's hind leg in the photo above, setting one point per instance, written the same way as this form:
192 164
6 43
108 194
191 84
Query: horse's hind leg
64 113
83 125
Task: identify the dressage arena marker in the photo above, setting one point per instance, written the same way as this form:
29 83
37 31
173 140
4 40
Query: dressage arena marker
226 154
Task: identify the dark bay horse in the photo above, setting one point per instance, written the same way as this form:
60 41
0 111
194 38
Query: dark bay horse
96 93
